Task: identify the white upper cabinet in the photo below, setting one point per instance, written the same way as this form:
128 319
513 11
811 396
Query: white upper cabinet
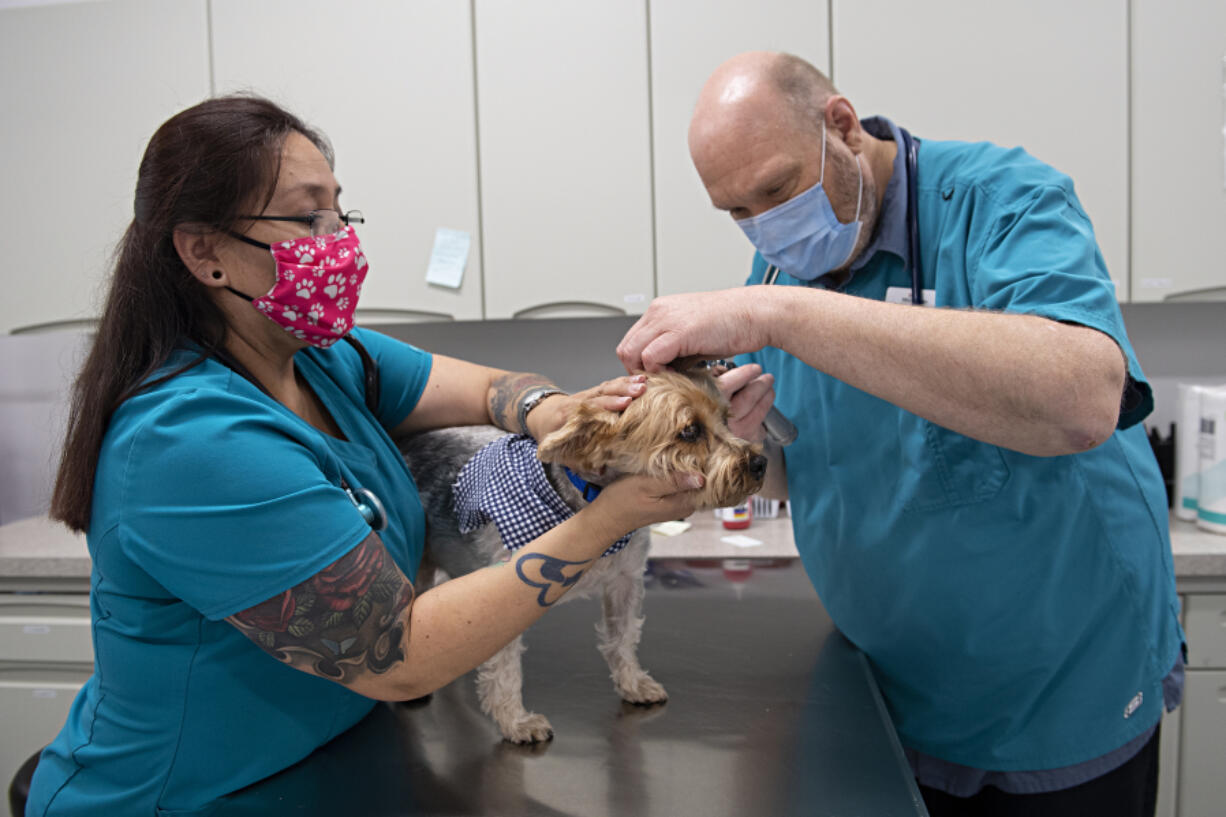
85 86
391 85
1178 150
697 246
1048 75
562 107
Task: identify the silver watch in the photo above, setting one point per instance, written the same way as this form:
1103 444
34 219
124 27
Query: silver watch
531 399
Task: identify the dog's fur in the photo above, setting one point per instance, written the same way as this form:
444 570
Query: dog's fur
679 424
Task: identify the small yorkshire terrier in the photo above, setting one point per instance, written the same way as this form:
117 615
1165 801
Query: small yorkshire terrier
679 424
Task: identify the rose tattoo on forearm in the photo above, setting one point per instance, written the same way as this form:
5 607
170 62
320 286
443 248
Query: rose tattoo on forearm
343 621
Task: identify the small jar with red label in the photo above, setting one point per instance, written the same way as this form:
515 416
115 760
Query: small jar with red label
737 517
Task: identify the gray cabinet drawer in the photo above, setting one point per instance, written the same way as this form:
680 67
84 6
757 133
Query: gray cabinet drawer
34 703
1202 744
1205 627
38 627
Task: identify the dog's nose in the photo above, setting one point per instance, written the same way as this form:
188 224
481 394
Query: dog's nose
757 466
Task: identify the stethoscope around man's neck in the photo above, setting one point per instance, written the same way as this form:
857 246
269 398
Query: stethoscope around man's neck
910 149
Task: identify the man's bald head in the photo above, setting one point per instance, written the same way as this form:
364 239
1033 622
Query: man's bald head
756 139
761 87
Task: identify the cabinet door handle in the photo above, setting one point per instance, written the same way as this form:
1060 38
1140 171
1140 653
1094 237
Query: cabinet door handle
58 675
1214 294
573 309
19 611
87 324
411 315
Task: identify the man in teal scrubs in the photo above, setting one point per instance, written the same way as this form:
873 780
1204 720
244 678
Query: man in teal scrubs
972 493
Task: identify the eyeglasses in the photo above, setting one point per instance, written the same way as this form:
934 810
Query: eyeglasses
321 222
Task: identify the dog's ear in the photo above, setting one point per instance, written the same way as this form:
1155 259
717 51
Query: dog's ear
583 441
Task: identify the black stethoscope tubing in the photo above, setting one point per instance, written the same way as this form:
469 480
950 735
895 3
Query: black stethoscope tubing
910 148
365 500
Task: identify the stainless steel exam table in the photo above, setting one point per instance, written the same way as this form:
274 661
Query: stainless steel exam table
771 712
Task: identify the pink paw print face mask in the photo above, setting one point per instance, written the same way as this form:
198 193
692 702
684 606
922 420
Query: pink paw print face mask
318 282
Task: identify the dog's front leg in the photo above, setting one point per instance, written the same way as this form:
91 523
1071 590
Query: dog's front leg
500 685
619 631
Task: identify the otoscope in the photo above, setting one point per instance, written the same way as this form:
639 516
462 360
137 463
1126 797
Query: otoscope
778 428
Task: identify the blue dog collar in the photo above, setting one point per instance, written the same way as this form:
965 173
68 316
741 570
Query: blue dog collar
589 490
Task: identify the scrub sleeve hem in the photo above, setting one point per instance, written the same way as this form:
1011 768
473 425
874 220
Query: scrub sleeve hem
425 380
354 537
372 340
1064 314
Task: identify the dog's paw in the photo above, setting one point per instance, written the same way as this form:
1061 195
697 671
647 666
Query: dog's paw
533 728
642 690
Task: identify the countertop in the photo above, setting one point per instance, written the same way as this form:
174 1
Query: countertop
1197 553
37 549
761 719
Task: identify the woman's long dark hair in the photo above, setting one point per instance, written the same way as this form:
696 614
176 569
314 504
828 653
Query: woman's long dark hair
202 169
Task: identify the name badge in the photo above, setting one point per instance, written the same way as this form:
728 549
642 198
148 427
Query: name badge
902 295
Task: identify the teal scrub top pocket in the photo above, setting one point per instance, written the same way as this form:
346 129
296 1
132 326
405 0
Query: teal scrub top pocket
949 468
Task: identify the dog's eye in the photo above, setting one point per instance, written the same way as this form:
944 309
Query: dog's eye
690 433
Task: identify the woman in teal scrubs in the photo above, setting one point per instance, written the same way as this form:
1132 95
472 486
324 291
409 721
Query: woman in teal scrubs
972 493
225 456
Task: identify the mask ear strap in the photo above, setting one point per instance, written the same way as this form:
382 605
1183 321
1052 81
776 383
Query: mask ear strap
860 194
859 173
246 298
822 176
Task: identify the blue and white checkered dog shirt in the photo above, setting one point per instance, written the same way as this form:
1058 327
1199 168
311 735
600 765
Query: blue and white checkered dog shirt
505 483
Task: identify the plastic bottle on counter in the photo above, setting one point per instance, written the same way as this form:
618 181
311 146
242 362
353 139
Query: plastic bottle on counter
737 517
1211 492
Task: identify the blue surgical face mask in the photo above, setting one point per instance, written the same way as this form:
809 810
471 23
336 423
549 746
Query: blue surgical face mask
803 237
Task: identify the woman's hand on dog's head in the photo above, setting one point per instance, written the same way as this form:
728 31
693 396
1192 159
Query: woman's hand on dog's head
637 501
611 395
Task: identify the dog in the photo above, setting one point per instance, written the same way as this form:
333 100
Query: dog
679 424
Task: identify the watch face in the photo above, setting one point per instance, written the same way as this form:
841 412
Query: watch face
539 395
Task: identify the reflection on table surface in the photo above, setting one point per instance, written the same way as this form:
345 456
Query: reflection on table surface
770 711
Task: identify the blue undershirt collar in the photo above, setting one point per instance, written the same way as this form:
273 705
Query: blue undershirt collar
890 233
